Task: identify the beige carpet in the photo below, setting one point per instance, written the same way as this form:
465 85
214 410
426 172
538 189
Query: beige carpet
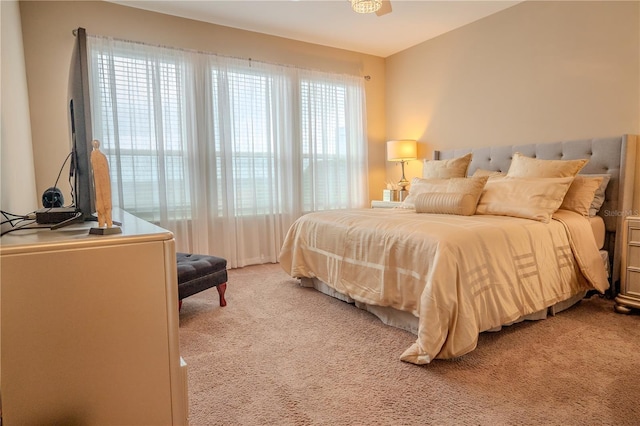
279 354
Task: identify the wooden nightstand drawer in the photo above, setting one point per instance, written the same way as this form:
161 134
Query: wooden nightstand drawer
377 204
633 257
633 282
629 296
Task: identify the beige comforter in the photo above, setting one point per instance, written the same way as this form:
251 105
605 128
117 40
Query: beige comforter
460 275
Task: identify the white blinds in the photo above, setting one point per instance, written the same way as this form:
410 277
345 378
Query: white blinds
226 153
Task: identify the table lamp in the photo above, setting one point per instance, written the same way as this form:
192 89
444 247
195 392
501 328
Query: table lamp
402 151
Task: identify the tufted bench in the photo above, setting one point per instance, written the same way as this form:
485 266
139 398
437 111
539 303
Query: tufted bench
197 272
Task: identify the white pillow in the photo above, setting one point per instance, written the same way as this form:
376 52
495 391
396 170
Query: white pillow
528 198
446 203
471 186
598 199
444 169
523 166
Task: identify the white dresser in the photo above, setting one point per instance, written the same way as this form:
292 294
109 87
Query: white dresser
90 327
629 296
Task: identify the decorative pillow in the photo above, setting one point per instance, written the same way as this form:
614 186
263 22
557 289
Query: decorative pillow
446 203
580 194
598 199
444 169
471 186
522 166
528 198
490 173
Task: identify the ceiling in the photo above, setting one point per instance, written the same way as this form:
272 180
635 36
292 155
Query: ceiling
332 22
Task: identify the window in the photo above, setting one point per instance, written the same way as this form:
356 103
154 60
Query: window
198 138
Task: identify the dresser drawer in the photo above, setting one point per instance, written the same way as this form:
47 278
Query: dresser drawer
634 234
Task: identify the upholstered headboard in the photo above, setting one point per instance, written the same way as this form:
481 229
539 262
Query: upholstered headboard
615 156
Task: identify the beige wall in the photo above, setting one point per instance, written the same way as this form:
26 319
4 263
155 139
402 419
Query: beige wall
536 72
48 42
18 187
539 71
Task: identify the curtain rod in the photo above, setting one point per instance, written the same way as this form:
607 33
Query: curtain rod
75 34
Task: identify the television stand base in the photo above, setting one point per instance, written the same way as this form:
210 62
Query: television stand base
78 218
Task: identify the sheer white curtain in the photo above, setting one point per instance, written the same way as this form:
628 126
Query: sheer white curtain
225 152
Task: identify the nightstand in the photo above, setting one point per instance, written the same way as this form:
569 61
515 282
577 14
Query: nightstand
377 204
629 296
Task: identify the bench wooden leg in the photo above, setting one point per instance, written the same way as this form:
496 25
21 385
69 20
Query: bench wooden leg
221 289
179 305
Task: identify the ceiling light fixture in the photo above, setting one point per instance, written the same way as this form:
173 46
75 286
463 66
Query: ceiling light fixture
366 6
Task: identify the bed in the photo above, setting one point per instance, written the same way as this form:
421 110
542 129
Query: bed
449 277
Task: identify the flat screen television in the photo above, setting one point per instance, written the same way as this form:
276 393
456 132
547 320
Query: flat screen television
81 132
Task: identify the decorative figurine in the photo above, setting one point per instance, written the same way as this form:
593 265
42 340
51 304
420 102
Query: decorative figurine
102 185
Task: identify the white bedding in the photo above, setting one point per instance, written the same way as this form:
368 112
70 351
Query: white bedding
458 275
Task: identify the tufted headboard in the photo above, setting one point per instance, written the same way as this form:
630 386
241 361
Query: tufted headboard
615 156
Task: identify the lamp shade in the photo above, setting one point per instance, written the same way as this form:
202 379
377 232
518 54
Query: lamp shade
402 150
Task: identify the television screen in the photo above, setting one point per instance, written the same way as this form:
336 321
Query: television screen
80 127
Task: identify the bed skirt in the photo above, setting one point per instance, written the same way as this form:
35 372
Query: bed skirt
408 322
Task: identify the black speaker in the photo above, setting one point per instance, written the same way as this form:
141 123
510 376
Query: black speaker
52 197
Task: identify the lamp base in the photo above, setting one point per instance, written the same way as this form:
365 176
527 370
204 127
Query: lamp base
402 185
402 188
